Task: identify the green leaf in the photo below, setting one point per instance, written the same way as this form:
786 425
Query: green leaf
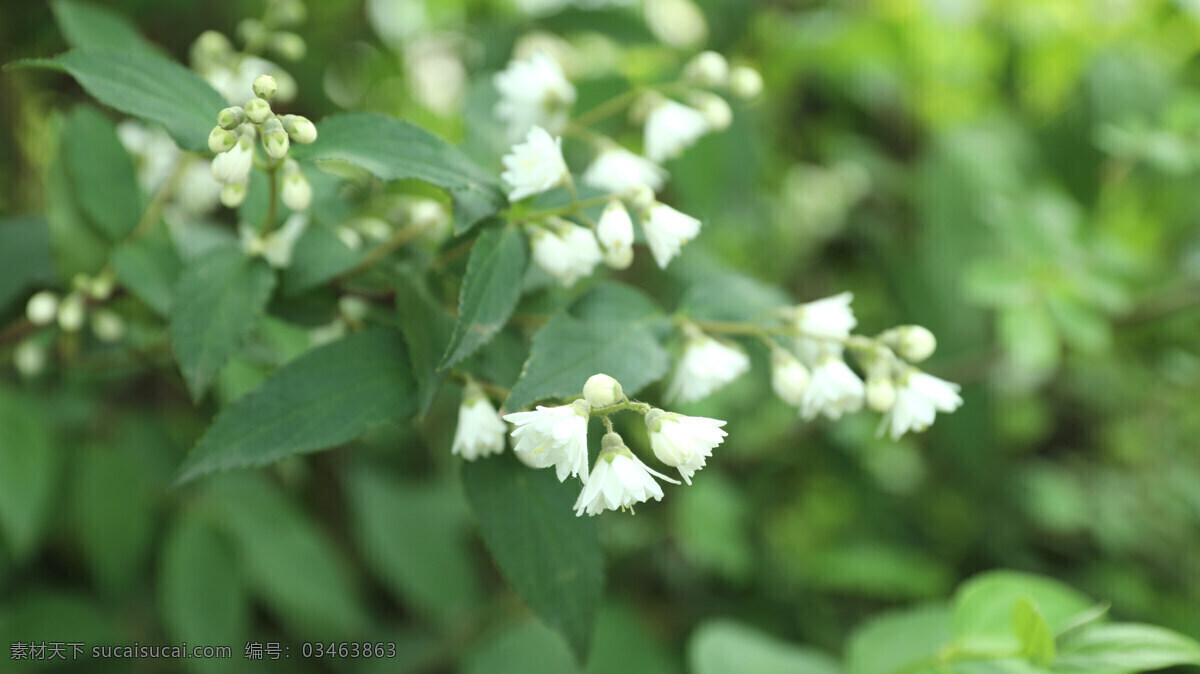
319 255
88 26
984 606
113 512
326 397
77 245
220 299
145 85
899 640
729 296
550 557
526 648
426 329
391 150
613 329
29 468
1125 647
490 290
24 257
101 172
201 595
720 646
414 537
150 269
1037 641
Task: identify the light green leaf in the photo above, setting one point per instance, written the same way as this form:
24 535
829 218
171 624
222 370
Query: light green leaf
1037 641
326 397
613 329
426 327
490 290
220 299
113 514
550 557
88 26
720 646
1124 647
29 468
414 537
391 150
150 269
147 86
984 606
24 257
202 599
899 640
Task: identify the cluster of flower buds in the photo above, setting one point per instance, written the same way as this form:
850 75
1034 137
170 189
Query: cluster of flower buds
71 312
557 436
232 140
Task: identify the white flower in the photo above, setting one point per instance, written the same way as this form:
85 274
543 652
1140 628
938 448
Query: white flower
828 318
297 191
706 366
834 390
683 442
554 436
535 165
153 151
618 480
233 167
567 252
880 393
919 398
533 93
670 128
789 378
276 246
198 191
615 232
619 171
666 231
480 431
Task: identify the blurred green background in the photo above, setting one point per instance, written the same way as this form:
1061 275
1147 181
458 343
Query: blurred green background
1019 176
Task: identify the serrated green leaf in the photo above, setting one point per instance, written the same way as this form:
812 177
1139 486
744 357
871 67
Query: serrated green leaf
145 85
219 301
326 397
1037 641
1124 647
150 269
550 557
613 329
88 26
391 150
426 329
720 646
984 605
201 595
29 468
24 257
490 291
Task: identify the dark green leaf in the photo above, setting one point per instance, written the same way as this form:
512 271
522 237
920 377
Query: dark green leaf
113 513
550 557
391 150
1037 641
24 257
101 172
219 300
490 290
77 245
612 329
29 467
88 26
326 397
1125 647
319 255
721 646
150 269
426 329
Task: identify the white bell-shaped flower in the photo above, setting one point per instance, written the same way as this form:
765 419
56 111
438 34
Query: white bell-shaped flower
706 366
533 92
480 431
566 251
682 442
276 247
554 436
233 167
535 165
671 128
789 378
615 232
666 231
919 398
828 318
834 390
619 171
619 480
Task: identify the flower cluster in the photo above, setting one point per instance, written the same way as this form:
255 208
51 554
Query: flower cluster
557 436
231 72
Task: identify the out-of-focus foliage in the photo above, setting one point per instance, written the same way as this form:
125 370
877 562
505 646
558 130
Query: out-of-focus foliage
1019 176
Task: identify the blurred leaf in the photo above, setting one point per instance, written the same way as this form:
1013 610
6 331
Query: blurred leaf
1037 641
626 641
490 290
150 269
612 330
984 606
145 85
38 615
720 646
88 26
221 298
528 648
201 595
1030 337
319 256
730 296
878 569
327 397
102 173
414 538
550 557
24 257
391 150
29 466
426 328
1125 647
899 640
710 522
113 515
77 245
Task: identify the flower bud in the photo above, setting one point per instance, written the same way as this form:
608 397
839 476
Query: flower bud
252 31
297 192
301 130
915 343
288 12
231 118
350 237
257 110
275 143
641 199
602 390
289 46
615 233
708 68
234 166
789 378
880 393
29 358
716 111
265 87
209 48
353 308
233 194
108 326
42 307
71 313
100 287
745 82
221 140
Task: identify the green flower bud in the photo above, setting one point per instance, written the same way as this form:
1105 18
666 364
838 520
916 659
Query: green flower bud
71 313
275 143
745 82
209 49
257 110
301 130
297 191
289 46
287 12
233 194
265 87
221 140
108 326
231 118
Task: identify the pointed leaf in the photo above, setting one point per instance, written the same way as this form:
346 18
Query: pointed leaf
101 172
490 290
720 646
1037 641
88 26
1125 647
